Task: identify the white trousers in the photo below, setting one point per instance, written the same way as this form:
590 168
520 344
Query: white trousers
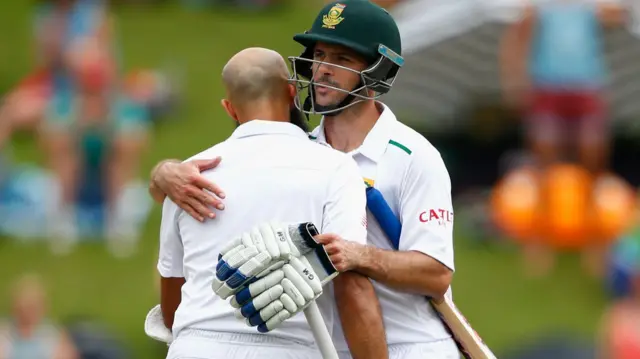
442 349
198 344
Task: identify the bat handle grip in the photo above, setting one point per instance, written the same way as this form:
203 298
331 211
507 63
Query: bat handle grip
320 332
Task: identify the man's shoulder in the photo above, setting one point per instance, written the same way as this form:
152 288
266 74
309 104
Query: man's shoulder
323 154
208 153
415 156
411 143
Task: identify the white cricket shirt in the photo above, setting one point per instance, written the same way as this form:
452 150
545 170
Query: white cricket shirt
269 171
412 177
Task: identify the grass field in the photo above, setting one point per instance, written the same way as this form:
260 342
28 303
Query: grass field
502 306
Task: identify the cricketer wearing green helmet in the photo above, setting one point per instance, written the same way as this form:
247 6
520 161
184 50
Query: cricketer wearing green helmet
352 54
371 35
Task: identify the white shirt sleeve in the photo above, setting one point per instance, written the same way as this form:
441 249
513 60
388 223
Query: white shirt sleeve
345 210
426 209
171 249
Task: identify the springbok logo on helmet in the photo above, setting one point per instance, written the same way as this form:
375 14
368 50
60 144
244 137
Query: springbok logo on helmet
333 18
370 32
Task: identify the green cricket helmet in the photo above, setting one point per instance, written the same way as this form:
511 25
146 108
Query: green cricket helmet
366 29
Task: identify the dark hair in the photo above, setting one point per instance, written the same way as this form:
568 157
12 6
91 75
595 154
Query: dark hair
298 118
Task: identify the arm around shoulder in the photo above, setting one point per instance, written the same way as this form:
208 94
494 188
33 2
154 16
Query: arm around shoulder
357 302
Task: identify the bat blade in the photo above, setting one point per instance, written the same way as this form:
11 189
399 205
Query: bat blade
473 346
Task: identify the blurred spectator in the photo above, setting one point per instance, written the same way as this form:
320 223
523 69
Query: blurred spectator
555 345
93 137
61 28
554 71
244 4
28 334
92 124
94 340
157 90
620 328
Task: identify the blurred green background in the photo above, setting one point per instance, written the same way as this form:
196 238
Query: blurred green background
503 306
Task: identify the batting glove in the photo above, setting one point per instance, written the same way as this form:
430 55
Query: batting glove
154 326
280 295
256 253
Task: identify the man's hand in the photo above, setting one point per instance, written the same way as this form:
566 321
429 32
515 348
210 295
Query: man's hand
279 296
345 255
184 185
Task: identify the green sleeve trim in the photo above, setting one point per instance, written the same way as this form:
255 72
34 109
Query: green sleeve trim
400 146
313 137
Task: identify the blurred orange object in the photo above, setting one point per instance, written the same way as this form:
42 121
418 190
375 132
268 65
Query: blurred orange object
614 207
563 207
514 204
567 197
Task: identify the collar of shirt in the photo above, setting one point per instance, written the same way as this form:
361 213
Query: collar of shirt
375 144
262 127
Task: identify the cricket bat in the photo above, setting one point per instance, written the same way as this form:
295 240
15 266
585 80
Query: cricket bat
468 341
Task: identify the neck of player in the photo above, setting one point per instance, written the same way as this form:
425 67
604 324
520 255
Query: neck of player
277 111
346 131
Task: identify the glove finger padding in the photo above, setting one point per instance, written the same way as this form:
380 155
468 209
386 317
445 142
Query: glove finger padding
259 302
223 269
229 246
265 232
285 243
293 292
280 295
289 304
276 240
274 322
229 278
306 272
233 260
266 313
254 289
249 269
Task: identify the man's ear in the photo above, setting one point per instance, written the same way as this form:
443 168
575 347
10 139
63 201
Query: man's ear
293 92
228 107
